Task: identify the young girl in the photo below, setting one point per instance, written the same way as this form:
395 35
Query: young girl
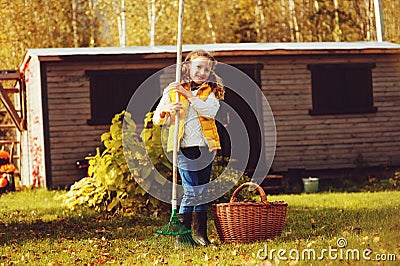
199 95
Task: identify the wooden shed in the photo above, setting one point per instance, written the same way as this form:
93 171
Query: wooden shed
332 102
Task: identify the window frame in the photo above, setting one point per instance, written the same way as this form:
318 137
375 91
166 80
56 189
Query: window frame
100 79
344 83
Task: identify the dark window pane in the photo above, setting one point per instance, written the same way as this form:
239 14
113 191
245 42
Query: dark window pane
111 90
341 88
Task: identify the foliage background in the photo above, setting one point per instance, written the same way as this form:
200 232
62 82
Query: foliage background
90 23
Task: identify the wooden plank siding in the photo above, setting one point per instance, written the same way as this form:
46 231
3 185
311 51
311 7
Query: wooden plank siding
303 140
71 137
332 141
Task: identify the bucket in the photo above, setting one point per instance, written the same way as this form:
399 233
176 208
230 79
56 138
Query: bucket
311 184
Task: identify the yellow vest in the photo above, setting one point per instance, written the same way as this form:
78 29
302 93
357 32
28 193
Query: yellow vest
208 125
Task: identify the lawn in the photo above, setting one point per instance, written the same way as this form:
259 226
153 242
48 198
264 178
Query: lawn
325 228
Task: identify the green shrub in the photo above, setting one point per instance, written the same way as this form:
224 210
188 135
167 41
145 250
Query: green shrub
111 185
391 183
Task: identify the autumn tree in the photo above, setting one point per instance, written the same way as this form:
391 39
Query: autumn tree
90 23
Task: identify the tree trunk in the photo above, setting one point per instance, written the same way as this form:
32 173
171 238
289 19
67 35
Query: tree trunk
380 29
91 23
369 18
74 23
152 20
316 25
260 22
294 27
359 19
284 19
122 40
210 25
337 32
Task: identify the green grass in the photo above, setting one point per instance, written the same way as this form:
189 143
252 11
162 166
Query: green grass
36 230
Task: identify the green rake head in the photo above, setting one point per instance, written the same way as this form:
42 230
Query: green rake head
177 229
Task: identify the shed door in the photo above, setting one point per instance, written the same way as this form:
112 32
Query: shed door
229 122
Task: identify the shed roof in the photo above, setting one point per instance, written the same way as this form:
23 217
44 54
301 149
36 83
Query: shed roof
243 49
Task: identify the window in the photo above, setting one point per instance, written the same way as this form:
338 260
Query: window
341 89
253 71
111 90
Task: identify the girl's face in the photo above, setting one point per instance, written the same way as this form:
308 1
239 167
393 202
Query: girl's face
200 69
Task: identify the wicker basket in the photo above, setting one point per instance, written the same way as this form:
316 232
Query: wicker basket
245 222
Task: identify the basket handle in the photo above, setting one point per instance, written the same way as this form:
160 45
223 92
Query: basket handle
253 185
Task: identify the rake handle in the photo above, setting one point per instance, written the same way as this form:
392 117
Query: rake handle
177 115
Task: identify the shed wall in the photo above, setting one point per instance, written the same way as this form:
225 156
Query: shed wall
70 136
332 141
33 162
303 141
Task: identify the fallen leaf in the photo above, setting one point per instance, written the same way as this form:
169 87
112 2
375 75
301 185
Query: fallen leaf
311 244
266 263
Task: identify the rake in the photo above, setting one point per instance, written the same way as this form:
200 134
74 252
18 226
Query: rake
174 227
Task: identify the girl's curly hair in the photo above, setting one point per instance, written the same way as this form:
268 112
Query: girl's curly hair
215 81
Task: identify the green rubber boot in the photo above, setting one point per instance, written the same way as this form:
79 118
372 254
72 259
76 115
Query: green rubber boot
200 229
